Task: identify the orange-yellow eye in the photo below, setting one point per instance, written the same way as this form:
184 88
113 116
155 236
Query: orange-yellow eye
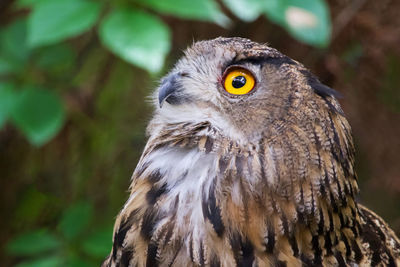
239 81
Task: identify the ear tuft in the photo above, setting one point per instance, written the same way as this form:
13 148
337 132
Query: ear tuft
319 88
323 90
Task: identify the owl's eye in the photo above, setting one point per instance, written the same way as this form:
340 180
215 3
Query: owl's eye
239 81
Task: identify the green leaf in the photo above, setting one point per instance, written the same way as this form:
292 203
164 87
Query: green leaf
137 37
206 10
55 55
31 205
6 66
54 21
27 3
56 59
98 244
14 51
38 114
33 243
247 10
48 261
274 9
307 20
7 99
75 219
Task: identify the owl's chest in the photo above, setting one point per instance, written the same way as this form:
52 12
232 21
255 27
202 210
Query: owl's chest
186 176
188 215
199 213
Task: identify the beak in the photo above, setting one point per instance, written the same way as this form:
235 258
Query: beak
169 89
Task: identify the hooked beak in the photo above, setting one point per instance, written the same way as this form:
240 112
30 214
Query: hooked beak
169 90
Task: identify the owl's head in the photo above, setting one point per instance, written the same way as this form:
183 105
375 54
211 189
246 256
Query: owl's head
240 87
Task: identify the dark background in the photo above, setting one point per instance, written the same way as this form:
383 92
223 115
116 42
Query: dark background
91 159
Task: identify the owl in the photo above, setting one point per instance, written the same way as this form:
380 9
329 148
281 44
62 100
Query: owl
249 162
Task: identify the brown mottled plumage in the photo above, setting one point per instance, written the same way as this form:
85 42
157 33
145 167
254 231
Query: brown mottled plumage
262 179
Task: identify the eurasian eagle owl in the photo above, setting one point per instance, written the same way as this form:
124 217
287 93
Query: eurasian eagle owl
249 162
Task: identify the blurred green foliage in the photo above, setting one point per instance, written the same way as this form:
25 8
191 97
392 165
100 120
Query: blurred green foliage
40 65
127 30
72 244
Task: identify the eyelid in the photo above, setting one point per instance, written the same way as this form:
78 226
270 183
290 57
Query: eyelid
230 68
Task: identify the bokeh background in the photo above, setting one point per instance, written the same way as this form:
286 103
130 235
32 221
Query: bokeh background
75 76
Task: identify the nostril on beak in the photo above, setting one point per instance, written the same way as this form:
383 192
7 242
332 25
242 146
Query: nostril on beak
168 89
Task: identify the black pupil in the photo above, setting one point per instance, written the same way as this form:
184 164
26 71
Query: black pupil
238 82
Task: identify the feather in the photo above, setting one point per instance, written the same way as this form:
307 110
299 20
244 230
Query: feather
266 179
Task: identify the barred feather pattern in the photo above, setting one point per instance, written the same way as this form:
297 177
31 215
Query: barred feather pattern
200 198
